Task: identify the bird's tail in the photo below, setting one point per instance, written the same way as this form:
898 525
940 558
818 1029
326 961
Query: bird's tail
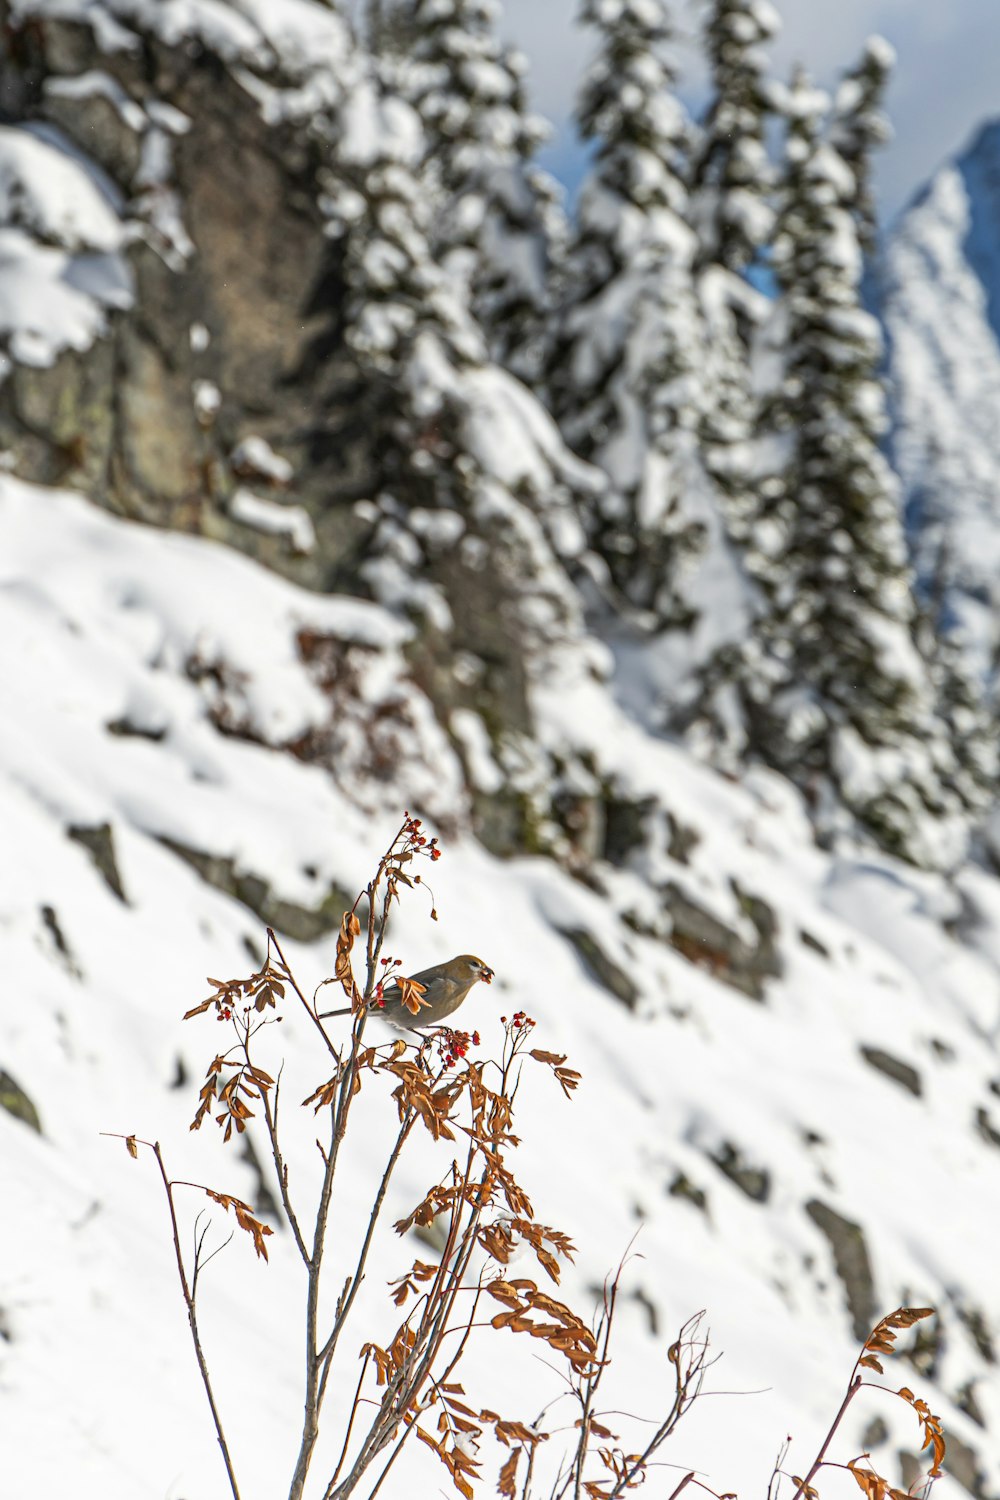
344 1011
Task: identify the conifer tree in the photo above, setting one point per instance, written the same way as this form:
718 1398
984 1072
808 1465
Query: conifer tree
732 174
470 501
838 696
625 376
733 215
829 685
860 125
498 216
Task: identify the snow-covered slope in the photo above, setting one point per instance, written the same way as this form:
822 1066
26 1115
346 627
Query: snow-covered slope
940 300
158 692
790 1084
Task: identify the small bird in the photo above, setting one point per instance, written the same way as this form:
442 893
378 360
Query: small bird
443 988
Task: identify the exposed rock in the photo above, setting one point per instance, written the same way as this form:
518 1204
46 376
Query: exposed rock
706 941
850 1257
683 1187
754 1181
624 826
809 941
304 924
875 1433
16 1102
649 1307
966 1401
120 420
963 1463
600 966
681 840
127 729
974 1320
986 1128
56 933
100 845
900 1072
926 1347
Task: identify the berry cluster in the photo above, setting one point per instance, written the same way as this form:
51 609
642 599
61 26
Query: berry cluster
411 832
518 1021
453 1045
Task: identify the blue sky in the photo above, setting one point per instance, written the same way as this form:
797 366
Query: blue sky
947 80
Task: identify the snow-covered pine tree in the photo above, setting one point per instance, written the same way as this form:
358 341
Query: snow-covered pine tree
498 217
969 722
732 174
860 124
471 498
625 375
733 215
836 694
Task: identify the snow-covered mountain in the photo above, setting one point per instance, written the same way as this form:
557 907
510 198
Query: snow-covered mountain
790 1088
939 290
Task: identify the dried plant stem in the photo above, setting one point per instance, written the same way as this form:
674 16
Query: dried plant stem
281 1172
189 1303
404 1388
852 1391
329 1348
309 1009
310 1418
592 1381
688 1478
689 1379
350 1427
318 1361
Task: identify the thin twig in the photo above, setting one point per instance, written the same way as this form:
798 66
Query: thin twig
852 1390
189 1302
350 1425
327 1352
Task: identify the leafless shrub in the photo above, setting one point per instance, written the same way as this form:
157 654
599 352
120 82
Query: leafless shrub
483 1216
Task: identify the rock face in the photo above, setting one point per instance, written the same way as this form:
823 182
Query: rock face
223 322
939 296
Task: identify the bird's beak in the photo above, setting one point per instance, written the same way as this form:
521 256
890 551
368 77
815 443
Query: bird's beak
487 976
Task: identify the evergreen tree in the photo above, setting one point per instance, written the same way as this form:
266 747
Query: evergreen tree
840 698
860 124
497 217
733 175
829 686
625 376
960 699
470 501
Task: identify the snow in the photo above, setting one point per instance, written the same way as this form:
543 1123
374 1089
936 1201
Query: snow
256 455
262 514
100 617
207 399
98 84
60 247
